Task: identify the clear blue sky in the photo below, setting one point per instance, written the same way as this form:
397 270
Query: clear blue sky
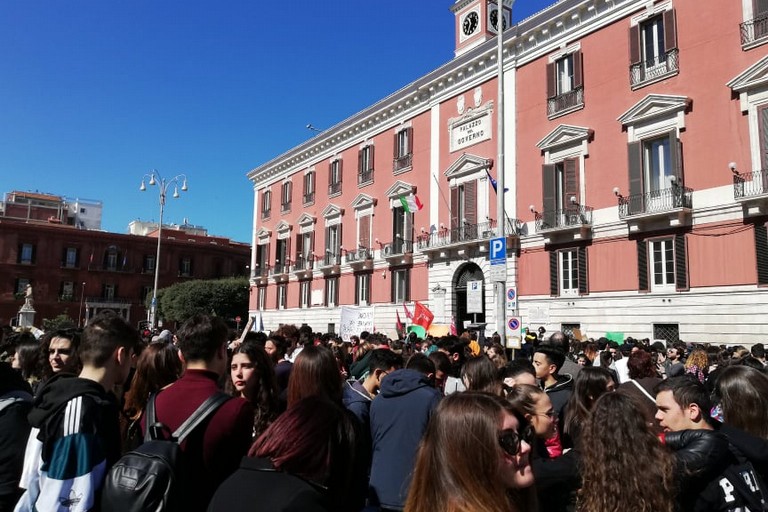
94 94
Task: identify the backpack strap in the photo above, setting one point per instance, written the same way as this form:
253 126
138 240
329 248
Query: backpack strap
151 419
207 408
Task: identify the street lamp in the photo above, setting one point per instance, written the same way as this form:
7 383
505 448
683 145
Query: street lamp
155 179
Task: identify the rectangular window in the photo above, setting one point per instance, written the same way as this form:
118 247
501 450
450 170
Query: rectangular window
564 74
332 291
565 85
669 332
261 298
305 246
266 204
401 285
403 150
402 232
262 260
363 289
285 196
110 262
26 254
70 257
281 256
146 291
569 272
464 212
309 188
185 267
655 177
67 290
653 49
334 178
282 295
364 232
108 291
365 165
305 294
658 165
149 263
662 264
332 244
21 285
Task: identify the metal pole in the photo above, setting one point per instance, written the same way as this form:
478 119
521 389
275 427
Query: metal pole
153 318
80 313
500 214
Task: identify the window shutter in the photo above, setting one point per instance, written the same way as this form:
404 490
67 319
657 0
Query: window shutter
681 270
77 257
365 231
407 273
454 209
549 195
370 157
761 252
470 202
670 31
583 271
360 169
396 151
551 83
554 281
578 72
642 266
341 167
64 258
409 139
763 128
392 287
299 244
290 192
675 154
311 248
330 173
571 185
635 152
634 45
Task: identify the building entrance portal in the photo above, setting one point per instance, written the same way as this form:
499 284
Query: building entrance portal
465 273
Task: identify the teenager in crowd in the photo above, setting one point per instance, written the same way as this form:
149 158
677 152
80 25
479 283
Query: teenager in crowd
253 378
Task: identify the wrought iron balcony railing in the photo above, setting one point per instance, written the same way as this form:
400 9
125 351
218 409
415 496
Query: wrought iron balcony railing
754 29
334 188
303 263
330 259
750 184
656 201
309 198
285 207
281 267
265 214
467 233
397 247
572 217
565 102
261 271
653 68
361 254
364 177
402 162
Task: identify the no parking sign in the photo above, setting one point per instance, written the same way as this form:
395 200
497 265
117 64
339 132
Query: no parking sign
513 332
511 299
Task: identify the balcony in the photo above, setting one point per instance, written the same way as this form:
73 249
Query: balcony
754 32
398 251
364 177
280 269
464 237
565 103
402 163
653 69
751 190
309 198
261 273
265 214
361 258
334 189
669 207
330 262
575 220
304 265
285 207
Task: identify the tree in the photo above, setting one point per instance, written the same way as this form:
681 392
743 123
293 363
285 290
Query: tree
63 321
226 298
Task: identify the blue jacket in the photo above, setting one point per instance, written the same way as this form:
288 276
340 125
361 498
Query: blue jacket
356 399
399 417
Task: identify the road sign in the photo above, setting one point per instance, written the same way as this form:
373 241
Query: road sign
474 296
513 332
498 250
511 299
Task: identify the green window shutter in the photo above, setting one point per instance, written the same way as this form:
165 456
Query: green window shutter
642 266
681 267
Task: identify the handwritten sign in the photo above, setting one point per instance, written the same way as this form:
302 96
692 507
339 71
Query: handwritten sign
353 321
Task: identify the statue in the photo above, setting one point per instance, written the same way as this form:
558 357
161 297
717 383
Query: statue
28 293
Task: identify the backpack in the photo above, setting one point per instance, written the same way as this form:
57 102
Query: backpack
151 477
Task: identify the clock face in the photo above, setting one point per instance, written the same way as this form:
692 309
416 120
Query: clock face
495 20
471 21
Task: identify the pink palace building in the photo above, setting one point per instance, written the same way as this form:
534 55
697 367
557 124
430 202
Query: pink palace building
636 167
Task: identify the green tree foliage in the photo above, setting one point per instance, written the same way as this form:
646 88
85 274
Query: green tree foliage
226 298
63 321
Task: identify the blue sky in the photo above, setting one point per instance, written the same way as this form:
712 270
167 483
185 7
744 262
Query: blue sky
94 94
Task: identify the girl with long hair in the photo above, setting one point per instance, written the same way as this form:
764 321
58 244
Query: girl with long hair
621 443
474 457
315 372
591 383
697 364
741 392
480 374
253 378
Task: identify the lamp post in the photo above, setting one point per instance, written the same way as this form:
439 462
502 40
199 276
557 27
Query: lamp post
155 179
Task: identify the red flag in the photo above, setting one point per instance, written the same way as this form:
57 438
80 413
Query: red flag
407 313
399 327
453 325
422 316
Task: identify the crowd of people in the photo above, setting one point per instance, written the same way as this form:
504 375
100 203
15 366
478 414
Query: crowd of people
314 423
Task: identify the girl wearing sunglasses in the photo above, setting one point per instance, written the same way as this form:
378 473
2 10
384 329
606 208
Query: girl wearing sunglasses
474 457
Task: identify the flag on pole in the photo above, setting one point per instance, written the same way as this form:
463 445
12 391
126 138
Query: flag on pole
399 327
494 183
422 316
411 203
408 314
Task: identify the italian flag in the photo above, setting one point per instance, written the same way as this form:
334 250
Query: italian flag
411 203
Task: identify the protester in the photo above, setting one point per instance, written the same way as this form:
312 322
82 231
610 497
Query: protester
252 377
625 469
276 347
643 379
75 435
697 364
741 392
519 371
590 385
216 449
474 457
481 374
547 361
60 349
497 355
26 358
15 404
315 372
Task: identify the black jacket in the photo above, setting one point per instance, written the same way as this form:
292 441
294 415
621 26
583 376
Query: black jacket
15 404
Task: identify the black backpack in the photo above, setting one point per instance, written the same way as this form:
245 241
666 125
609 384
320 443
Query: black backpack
151 477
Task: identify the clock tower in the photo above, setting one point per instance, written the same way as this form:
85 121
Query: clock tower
478 20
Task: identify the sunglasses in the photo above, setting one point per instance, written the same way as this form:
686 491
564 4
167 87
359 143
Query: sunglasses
510 439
